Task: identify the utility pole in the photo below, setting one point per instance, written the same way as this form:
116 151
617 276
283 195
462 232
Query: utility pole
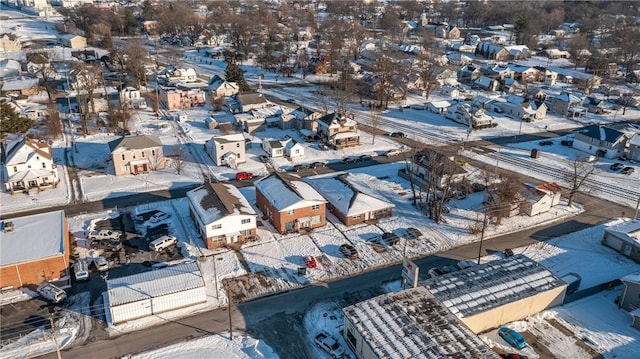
53 330
484 225
226 288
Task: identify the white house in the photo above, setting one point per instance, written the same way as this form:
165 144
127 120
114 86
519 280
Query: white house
634 148
218 87
600 141
293 149
28 165
450 91
524 109
274 148
540 199
131 96
222 215
227 150
439 107
171 74
465 114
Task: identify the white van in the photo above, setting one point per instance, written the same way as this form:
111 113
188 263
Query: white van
162 243
81 270
101 264
52 293
393 152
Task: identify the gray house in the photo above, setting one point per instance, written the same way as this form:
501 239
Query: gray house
630 297
624 238
600 141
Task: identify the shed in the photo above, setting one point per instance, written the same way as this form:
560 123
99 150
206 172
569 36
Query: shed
624 238
154 292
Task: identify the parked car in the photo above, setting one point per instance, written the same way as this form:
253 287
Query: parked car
349 251
81 270
566 143
512 337
349 160
393 152
414 234
616 166
163 243
478 187
329 344
545 143
104 234
390 238
434 272
465 264
113 245
264 159
310 261
159 217
397 134
364 158
299 167
627 170
100 264
244 176
622 158
51 292
290 100
318 164
450 268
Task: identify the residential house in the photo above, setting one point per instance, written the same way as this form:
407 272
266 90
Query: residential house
350 198
439 107
554 54
218 87
252 101
338 130
175 99
451 172
469 115
227 150
289 203
222 215
630 297
497 72
306 119
293 149
450 91
600 141
171 74
524 109
9 43
35 249
37 61
459 59
446 31
567 104
130 96
136 154
624 238
486 83
28 165
274 148
9 69
633 152
525 73
73 41
634 76
469 73
30 110
539 199
502 53
593 104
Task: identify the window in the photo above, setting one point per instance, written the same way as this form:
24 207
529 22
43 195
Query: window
316 219
355 217
134 154
245 221
153 152
123 156
15 169
222 147
315 207
143 154
216 226
291 211
246 233
29 166
217 239
238 144
44 165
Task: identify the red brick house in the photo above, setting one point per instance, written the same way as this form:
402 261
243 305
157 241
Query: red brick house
289 203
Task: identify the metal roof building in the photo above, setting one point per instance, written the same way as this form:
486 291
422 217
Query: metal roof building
409 324
154 292
492 294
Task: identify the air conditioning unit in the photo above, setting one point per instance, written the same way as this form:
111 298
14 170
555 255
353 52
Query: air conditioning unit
8 227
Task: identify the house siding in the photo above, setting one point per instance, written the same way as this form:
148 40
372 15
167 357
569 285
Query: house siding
592 145
630 298
122 161
280 219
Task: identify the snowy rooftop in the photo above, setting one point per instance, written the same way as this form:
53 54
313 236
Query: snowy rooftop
29 242
285 190
628 229
490 285
154 283
214 201
343 193
414 324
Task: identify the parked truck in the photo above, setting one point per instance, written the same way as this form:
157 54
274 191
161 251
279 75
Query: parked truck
52 293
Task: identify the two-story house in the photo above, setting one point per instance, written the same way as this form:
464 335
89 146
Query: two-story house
29 165
338 131
227 150
283 148
447 172
171 74
136 154
176 98
524 109
222 215
289 203
350 199
218 87
252 101
567 104
634 148
600 141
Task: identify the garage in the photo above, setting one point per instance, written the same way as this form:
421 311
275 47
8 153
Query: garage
154 292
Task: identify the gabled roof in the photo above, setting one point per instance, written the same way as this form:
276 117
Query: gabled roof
602 133
135 143
234 137
26 149
348 194
253 98
334 119
286 191
216 200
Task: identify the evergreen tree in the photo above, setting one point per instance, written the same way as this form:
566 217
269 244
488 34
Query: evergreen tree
11 121
233 73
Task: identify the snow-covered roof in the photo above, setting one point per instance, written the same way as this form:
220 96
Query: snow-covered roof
414 324
287 191
135 143
601 133
629 230
491 285
26 149
154 284
215 200
633 277
28 241
440 104
348 195
234 137
635 140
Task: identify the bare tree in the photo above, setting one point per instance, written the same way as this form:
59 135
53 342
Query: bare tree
119 117
88 79
53 125
178 158
375 120
505 197
137 56
577 176
410 170
440 181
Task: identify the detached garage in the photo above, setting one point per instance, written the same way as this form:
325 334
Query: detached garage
624 238
154 292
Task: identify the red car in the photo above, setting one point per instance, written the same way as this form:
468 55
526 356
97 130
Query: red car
310 261
244 175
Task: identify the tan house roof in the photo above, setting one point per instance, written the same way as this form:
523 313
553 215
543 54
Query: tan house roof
135 143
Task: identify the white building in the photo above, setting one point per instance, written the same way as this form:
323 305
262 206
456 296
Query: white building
222 215
154 292
29 165
465 114
227 150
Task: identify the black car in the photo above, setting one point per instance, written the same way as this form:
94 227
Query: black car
264 159
627 170
391 239
567 143
397 134
299 167
616 166
318 164
349 251
545 143
349 160
364 158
